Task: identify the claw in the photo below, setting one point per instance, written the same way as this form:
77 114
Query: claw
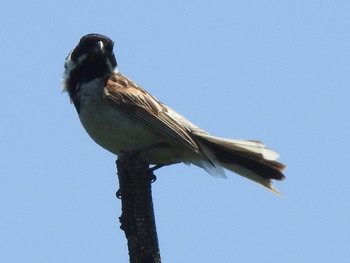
118 194
153 178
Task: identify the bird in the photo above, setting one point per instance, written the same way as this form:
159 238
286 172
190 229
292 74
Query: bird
122 117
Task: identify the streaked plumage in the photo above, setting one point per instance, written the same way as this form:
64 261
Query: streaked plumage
121 116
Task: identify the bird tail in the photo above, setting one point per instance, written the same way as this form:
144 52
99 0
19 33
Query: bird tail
250 159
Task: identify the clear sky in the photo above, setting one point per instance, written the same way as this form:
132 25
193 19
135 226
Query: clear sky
275 71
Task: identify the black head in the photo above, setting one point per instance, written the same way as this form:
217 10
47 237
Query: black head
92 47
91 59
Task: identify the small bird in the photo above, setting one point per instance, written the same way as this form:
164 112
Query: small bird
121 117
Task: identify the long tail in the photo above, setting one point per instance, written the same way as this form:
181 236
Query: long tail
250 159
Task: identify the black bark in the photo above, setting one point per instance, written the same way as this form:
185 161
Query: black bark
137 218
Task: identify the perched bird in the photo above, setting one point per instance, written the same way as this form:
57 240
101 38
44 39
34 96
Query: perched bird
120 116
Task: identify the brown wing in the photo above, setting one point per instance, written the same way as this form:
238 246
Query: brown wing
145 108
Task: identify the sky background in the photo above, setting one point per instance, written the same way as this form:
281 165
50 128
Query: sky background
275 71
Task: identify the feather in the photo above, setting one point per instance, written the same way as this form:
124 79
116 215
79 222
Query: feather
250 159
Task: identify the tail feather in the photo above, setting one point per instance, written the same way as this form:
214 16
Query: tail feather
250 159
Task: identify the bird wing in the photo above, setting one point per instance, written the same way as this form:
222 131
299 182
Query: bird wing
141 105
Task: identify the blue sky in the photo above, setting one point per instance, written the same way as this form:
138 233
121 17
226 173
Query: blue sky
275 71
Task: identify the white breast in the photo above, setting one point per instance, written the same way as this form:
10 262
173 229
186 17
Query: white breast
116 130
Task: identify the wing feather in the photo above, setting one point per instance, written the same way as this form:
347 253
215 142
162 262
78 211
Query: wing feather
144 107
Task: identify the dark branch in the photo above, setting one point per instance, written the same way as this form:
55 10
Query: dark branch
137 219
